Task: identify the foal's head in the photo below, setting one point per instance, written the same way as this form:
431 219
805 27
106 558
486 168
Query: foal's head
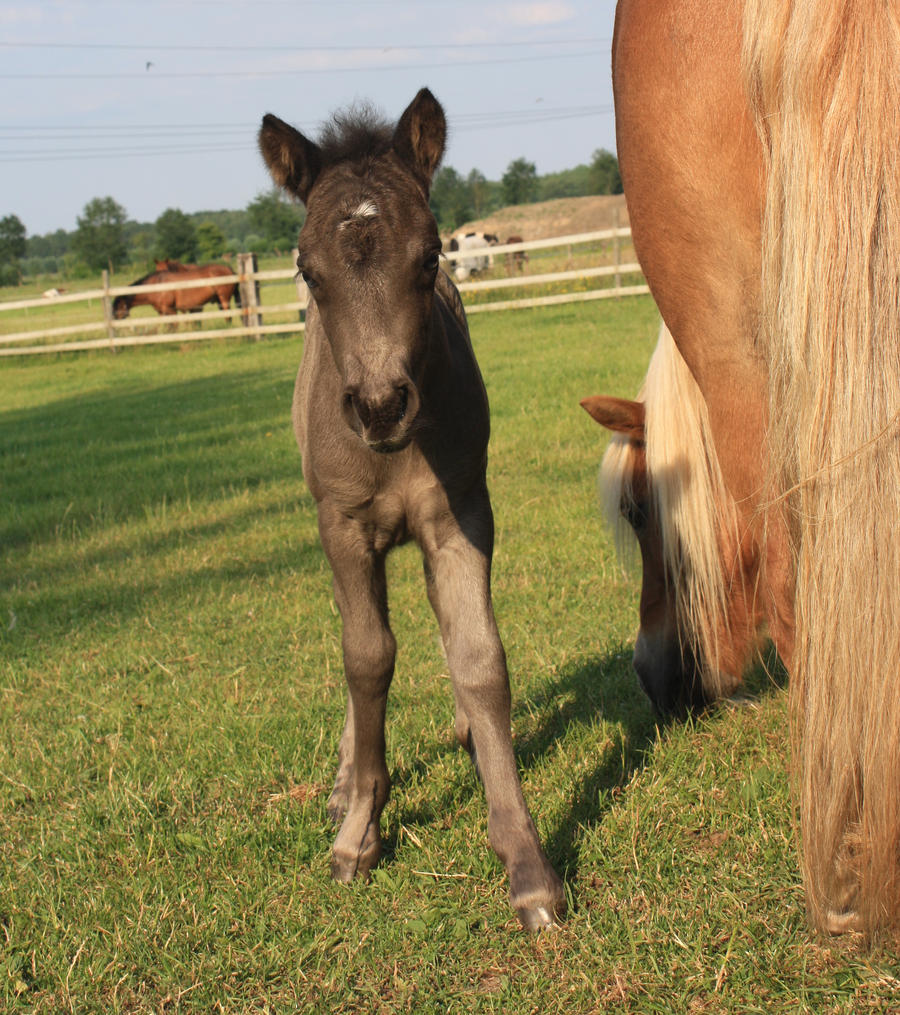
368 252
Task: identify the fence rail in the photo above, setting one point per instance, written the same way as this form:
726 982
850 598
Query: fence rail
118 333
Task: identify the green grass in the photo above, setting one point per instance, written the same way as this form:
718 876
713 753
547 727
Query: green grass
171 698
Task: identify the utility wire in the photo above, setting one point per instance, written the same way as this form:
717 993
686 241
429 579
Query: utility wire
475 121
166 47
233 74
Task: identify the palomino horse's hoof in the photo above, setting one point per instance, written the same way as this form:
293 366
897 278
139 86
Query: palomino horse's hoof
843 923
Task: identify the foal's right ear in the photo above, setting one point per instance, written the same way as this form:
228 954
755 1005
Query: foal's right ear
617 414
420 135
293 160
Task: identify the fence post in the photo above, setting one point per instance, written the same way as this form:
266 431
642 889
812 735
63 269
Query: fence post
249 290
107 310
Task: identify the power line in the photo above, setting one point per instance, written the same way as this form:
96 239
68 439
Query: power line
233 74
166 47
461 124
146 130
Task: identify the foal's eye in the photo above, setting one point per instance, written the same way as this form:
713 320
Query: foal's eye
308 279
431 262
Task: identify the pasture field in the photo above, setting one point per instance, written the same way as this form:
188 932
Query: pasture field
171 699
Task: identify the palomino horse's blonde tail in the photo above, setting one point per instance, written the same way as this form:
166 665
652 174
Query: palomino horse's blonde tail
823 81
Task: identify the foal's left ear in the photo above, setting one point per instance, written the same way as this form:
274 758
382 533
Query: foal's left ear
293 160
420 135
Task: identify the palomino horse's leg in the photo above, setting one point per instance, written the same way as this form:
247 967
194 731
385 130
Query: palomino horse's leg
458 577
362 785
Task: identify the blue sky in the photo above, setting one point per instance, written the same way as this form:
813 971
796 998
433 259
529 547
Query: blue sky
157 103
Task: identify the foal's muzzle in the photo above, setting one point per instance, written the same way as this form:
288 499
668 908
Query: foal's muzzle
383 419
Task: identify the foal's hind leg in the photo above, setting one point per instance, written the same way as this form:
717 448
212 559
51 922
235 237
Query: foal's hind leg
458 577
362 785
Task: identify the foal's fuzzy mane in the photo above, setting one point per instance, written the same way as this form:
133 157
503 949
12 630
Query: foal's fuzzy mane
355 132
694 511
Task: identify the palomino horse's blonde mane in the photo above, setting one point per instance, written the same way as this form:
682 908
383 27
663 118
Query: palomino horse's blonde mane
823 81
695 513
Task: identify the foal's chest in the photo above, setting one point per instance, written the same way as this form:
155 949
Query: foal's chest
395 511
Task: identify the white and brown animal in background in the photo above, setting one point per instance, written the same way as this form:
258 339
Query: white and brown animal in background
464 267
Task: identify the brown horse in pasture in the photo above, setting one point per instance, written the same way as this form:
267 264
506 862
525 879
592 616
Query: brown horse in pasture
392 422
180 300
515 259
757 141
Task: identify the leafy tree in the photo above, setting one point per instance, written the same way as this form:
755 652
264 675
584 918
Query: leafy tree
479 192
604 173
140 246
52 245
12 248
567 183
519 182
176 236
451 199
273 217
100 238
210 242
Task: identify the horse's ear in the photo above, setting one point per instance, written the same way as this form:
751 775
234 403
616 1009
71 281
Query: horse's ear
420 135
618 414
293 160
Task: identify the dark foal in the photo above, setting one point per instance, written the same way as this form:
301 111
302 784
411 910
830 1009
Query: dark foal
391 417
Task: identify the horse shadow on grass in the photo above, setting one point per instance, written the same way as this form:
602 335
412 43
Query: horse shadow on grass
601 695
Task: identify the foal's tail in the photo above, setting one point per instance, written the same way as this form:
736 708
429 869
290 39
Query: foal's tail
824 84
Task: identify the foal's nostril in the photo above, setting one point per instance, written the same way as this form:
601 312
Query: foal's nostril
354 405
380 419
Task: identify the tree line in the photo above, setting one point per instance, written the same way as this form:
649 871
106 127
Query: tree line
106 238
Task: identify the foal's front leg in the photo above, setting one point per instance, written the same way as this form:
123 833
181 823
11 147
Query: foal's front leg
362 785
458 577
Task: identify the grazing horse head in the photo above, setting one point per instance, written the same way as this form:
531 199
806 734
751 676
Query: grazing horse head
661 483
363 189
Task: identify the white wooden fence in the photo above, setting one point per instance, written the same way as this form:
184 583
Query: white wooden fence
249 319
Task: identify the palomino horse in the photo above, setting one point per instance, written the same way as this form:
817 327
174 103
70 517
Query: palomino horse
170 301
662 484
391 417
757 141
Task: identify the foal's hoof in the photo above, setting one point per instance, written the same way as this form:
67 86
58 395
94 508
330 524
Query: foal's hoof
546 907
540 917
347 868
